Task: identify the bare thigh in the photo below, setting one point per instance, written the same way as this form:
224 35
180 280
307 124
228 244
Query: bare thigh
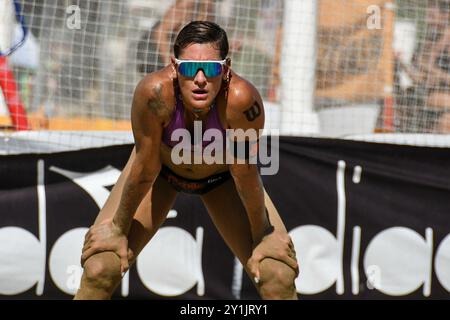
150 214
230 218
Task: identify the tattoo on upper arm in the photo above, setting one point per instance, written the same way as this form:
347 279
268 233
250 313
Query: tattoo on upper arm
253 112
157 104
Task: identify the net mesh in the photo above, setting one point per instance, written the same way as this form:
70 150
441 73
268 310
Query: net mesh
334 68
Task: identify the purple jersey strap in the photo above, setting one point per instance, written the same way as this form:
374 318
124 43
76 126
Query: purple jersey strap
177 121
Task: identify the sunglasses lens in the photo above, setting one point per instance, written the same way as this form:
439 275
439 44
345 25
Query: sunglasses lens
212 69
190 69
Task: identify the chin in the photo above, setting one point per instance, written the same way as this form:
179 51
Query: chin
201 104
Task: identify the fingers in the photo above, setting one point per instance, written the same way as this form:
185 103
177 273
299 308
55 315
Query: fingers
93 230
88 243
87 236
253 267
287 241
297 270
291 263
291 244
291 260
101 238
284 254
130 254
124 266
88 253
85 250
278 246
286 257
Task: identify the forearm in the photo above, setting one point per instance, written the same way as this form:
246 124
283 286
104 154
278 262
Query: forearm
251 192
134 191
147 106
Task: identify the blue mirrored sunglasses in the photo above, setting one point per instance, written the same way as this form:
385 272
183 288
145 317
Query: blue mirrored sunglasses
189 68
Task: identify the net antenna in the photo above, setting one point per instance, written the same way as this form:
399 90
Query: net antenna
20 19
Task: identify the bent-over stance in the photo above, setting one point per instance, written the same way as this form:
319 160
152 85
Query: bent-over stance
197 87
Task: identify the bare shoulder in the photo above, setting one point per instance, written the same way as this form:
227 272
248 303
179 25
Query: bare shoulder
241 93
244 104
156 92
156 84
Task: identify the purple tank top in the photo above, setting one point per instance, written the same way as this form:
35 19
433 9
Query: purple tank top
177 121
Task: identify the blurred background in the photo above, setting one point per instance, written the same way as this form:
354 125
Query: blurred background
324 68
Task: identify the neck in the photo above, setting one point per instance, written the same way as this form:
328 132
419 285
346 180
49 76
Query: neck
199 115
192 113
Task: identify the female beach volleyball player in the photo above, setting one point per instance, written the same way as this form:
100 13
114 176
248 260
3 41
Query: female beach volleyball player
197 86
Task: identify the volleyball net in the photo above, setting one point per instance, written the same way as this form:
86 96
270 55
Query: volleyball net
365 69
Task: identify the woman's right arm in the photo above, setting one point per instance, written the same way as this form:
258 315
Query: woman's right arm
147 131
112 235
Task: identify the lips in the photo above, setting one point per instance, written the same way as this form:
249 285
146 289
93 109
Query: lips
200 94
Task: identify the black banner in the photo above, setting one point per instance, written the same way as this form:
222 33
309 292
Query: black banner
369 221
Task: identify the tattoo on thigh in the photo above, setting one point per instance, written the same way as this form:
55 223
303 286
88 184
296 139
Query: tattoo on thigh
253 112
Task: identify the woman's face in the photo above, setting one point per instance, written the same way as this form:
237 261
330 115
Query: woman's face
199 91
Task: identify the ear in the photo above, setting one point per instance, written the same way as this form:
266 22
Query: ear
174 67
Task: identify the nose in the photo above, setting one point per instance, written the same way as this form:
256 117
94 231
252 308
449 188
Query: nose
200 78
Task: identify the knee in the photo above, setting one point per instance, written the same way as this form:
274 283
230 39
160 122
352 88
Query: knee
103 271
277 280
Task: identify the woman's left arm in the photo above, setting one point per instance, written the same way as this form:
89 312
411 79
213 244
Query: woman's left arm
245 115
